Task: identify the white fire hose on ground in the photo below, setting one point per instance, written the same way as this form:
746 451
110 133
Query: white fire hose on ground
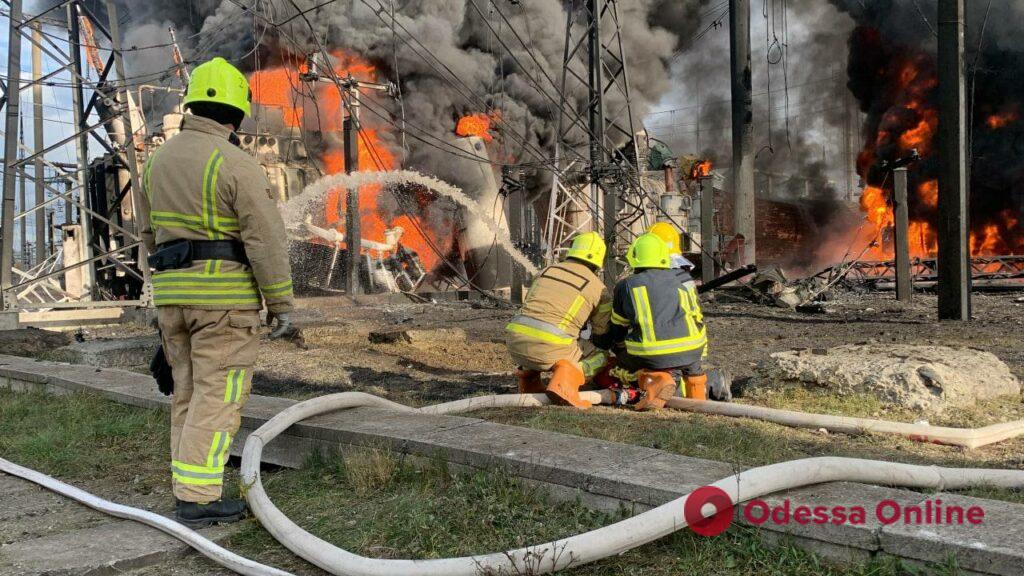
537 559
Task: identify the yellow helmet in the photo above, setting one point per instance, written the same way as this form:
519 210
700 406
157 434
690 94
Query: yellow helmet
588 247
219 82
648 251
668 234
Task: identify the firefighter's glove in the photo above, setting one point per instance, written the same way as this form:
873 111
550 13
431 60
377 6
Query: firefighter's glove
283 326
161 372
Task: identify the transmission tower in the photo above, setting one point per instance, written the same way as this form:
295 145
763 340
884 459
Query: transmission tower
596 184
108 235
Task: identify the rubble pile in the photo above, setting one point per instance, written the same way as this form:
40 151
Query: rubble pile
922 378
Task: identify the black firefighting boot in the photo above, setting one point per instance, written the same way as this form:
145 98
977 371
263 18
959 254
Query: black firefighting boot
223 511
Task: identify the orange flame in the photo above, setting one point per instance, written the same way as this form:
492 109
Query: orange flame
700 169
281 88
478 124
922 135
1002 120
928 193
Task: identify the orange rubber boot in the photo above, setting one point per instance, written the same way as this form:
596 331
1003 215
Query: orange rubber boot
697 387
658 387
529 382
564 388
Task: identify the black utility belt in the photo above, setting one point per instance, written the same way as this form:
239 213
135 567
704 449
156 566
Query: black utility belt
180 254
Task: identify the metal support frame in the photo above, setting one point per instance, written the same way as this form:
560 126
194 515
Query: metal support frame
110 88
927 269
11 129
595 179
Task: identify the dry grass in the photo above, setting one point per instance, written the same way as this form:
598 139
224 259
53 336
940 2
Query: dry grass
370 470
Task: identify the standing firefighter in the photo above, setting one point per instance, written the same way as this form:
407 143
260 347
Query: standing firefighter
218 243
543 336
657 316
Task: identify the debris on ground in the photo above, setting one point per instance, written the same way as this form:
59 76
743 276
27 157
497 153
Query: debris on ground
31 342
773 285
921 378
415 336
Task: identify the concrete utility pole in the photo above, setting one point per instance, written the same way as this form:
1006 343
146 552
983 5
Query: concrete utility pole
10 148
353 236
37 139
904 280
954 252
742 127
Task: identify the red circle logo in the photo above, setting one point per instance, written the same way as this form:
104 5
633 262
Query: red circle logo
712 525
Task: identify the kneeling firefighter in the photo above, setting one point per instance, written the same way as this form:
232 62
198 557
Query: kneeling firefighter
562 299
211 223
657 316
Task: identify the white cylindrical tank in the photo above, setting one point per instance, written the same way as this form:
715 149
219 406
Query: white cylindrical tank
487 262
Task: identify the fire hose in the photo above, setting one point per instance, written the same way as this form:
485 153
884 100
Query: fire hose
537 559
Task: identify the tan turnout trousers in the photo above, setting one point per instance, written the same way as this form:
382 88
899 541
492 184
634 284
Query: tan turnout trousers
211 353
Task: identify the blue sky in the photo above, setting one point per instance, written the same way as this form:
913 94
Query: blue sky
56 102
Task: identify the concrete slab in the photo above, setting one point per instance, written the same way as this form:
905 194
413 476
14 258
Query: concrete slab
848 495
25 500
9 321
102 550
661 478
129 353
993 546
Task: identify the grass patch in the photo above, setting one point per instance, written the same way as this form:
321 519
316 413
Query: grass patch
376 503
81 437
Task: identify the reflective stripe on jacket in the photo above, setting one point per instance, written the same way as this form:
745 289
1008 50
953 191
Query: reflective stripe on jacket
662 318
561 300
200 186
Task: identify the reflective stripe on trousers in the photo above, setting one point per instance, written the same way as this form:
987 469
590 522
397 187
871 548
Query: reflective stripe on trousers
210 474
538 329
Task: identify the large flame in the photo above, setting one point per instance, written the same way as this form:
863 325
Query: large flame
478 124
322 111
911 123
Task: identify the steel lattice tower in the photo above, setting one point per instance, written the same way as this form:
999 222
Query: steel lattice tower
596 184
